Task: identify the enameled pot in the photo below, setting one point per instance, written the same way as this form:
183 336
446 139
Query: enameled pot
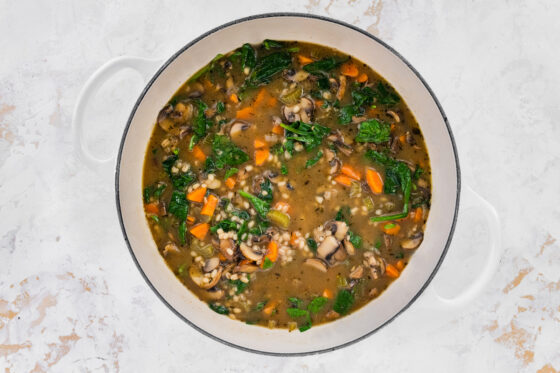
351 40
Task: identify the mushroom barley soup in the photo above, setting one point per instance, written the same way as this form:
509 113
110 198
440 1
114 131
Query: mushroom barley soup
286 184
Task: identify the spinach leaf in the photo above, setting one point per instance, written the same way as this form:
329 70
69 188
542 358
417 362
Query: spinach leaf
168 163
283 169
267 67
206 68
222 310
154 191
182 180
296 302
317 304
242 233
373 131
270 44
248 56
260 227
229 173
355 240
226 225
323 82
179 206
159 190
385 95
267 263
241 214
296 312
343 302
182 232
343 214
261 305
201 124
226 153
309 134
312 161
324 65
260 206
266 193
346 113
240 286
220 107
312 245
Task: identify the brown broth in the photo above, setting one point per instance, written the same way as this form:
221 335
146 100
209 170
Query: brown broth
312 194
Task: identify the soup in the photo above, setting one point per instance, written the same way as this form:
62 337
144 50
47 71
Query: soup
286 184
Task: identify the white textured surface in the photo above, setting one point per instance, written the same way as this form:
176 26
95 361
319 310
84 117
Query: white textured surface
70 296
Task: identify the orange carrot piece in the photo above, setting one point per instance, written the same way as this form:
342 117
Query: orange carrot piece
304 60
343 180
207 84
391 271
362 78
210 205
261 155
230 182
272 102
402 139
233 98
198 153
277 129
259 143
260 97
392 126
271 253
418 215
245 113
197 195
293 238
400 265
349 69
221 257
351 172
374 180
200 230
190 220
327 293
318 103
392 228
270 306
152 208
282 206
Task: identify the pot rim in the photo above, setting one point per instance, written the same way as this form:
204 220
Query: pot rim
272 15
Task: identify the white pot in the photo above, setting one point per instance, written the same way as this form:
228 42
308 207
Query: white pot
172 74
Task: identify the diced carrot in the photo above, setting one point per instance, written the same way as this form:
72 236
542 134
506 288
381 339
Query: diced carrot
270 306
392 126
245 113
402 139
260 97
152 208
391 271
261 155
374 180
230 182
327 293
272 102
277 129
282 206
391 228
349 69
259 143
207 84
318 103
200 230
351 172
190 220
303 59
343 180
245 261
233 98
197 195
271 252
210 205
198 153
400 265
362 78
293 238
221 257
418 215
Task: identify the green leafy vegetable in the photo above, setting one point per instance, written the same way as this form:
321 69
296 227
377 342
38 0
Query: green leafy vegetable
324 65
220 107
179 206
296 302
343 214
222 310
270 44
374 131
343 302
248 56
242 233
241 214
226 153
267 67
317 304
346 113
296 312
229 173
239 285
267 263
312 161
182 232
309 134
266 190
154 191
283 169
206 68
226 225
201 124
312 245
355 239
261 305
260 206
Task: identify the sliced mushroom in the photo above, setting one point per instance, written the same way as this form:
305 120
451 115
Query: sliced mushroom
198 90
227 248
290 113
292 75
211 264
349 247
214 294
237 128
357 272
388 240
329 155
307 109
327 247
332 314
375 264
358 120
340 254
339 229
317 264
413 242
170 248
341 88
198 277
373 292
410 138
338 140
394 115
246 268
395 145
249 252
334 166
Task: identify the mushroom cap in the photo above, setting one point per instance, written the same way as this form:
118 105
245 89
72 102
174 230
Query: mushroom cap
349 247
211 264
339 229
327 247
246 268
198 277
237 128
413 241
317 264
225 246
249 253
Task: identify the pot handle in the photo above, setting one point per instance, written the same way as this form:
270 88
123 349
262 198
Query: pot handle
472 200
145 67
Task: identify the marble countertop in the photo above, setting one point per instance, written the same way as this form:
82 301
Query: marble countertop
71 298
